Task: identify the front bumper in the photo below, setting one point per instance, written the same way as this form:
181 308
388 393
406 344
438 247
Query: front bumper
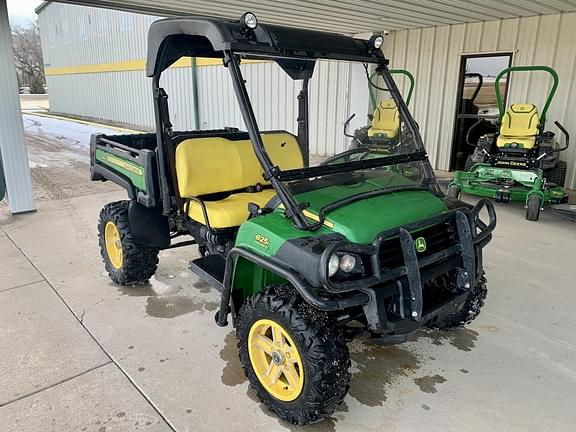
400 274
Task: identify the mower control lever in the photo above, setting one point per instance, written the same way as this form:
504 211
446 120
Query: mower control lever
346 126
567 143
566 135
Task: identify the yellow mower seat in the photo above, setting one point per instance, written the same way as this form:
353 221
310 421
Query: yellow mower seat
385 120
207 166
519 127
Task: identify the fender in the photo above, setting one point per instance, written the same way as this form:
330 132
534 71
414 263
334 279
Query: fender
148 226
308 293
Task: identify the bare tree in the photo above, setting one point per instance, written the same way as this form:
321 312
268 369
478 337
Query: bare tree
28 56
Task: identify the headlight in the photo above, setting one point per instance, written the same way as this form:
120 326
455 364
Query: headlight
333 265
249 20
376 41
347 263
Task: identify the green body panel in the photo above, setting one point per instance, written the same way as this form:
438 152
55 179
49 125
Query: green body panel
360 222
482 180
133 171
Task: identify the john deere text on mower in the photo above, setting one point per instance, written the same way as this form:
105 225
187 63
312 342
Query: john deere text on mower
305 258
516 160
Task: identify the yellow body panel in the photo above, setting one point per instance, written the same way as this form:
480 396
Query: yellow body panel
231 211
519 126
385 120
210 165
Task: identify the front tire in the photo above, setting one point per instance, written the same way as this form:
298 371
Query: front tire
293 355
469 311
533 206
454 191
126 262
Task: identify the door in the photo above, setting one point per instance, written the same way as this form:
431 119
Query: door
476 98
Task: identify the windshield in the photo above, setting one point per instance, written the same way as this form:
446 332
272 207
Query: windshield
349 155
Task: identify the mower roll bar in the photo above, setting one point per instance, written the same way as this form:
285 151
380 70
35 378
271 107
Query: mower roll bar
553 74
391 72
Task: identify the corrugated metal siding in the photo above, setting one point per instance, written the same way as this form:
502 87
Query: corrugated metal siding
433 56
274 100
126 96
349 17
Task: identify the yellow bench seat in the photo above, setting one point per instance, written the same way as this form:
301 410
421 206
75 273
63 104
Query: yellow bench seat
231 211
206 166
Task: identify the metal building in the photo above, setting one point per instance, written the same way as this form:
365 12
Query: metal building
95 60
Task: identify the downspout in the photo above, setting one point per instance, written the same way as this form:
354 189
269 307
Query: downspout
195 94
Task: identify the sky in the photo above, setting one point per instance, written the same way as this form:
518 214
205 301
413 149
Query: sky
21 12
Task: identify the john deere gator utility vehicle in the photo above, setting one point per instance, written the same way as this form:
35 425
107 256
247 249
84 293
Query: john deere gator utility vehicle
516 160
305 258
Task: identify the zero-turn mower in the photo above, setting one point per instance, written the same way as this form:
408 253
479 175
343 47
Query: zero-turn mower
516 159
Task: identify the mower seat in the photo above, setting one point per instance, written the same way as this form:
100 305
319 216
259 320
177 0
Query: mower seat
208 168
519 127
385 121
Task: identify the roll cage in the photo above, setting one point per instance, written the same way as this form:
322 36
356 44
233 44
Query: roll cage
296 52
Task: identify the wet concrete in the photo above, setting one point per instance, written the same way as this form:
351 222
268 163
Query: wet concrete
518 356
428 383
177 305
232 374
375 368
464 339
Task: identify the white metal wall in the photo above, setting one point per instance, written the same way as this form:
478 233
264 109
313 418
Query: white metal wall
274 100
74 36
433 56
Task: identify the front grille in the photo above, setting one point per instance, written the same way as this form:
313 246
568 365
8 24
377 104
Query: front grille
438 237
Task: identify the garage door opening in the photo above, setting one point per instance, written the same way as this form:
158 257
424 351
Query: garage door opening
476 97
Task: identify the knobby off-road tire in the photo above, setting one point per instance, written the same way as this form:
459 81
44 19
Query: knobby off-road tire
469 311
533 206
126 262
320 347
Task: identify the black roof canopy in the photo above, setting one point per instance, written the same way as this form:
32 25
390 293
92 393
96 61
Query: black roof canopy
172 38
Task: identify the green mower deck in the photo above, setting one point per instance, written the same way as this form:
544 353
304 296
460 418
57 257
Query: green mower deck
505 184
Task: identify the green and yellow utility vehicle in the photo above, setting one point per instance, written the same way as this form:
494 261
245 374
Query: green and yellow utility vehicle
516 159
305 257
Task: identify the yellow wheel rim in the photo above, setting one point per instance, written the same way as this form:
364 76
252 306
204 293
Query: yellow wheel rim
113 245
275 360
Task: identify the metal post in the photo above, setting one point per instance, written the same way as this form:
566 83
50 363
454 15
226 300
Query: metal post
12 143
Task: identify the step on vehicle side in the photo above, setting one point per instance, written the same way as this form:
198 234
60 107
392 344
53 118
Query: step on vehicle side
516 159
306 258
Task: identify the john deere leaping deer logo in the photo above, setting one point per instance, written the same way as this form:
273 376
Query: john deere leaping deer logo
420 244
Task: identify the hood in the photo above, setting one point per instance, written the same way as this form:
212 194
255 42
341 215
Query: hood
363 220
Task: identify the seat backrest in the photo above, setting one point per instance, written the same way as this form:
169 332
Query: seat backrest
386 118
521 120
214 164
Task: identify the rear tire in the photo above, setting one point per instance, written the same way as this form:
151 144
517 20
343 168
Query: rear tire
469 163
533 206
469 311
319 355
557 175
126 262
454 192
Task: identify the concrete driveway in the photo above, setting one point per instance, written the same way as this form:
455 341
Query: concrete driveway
78 353
81 354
